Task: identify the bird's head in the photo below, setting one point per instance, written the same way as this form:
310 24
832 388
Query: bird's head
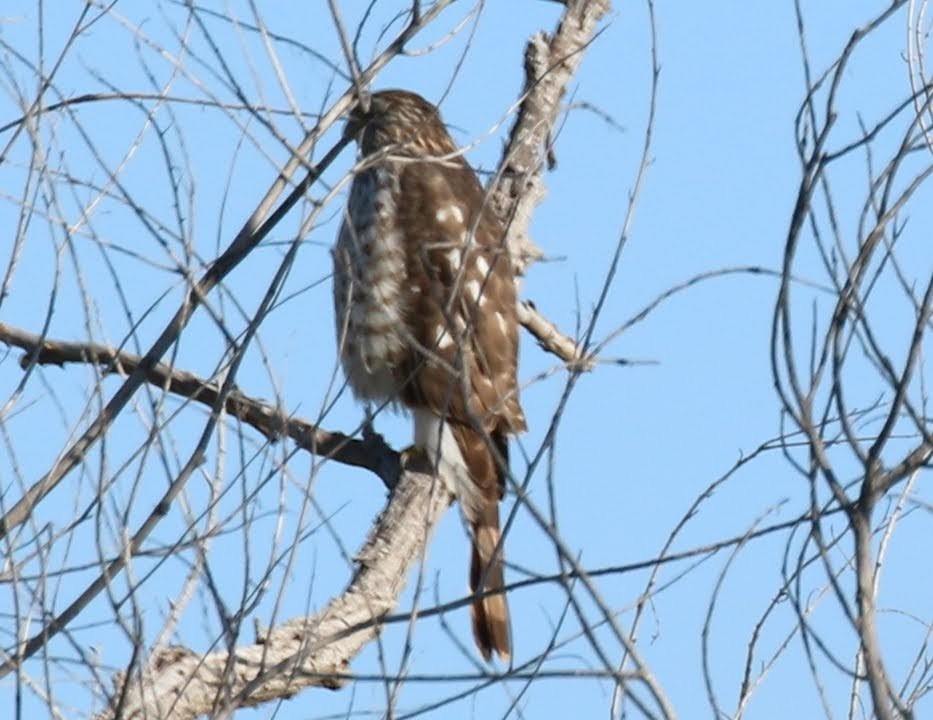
399 119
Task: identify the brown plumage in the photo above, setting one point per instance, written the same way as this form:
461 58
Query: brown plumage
425 303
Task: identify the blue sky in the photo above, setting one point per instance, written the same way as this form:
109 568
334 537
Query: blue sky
638 444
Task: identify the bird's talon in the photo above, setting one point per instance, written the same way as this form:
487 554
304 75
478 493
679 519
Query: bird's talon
415 458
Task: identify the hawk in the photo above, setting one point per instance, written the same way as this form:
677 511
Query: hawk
424 294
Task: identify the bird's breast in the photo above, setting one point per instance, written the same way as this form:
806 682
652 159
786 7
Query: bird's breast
369 288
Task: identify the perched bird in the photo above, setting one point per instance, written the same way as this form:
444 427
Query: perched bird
424 294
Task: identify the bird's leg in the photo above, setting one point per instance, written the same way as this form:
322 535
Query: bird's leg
414 457
368 430
370 437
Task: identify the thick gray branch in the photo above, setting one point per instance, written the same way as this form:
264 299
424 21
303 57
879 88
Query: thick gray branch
308 651
551 61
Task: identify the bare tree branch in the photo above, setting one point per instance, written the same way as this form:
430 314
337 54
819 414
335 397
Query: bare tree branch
179 684
550 63
273 422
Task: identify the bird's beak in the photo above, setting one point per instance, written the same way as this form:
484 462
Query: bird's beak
358 117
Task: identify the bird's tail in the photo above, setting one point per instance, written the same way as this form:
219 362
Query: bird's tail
490 614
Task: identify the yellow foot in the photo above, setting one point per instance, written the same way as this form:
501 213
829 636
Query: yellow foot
416 459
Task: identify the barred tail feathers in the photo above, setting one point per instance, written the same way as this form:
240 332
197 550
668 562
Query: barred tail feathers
464 458
489 614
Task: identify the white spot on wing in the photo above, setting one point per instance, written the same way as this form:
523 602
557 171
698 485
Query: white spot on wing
450 212
453 257
482 266
503 325
442 338
472 289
